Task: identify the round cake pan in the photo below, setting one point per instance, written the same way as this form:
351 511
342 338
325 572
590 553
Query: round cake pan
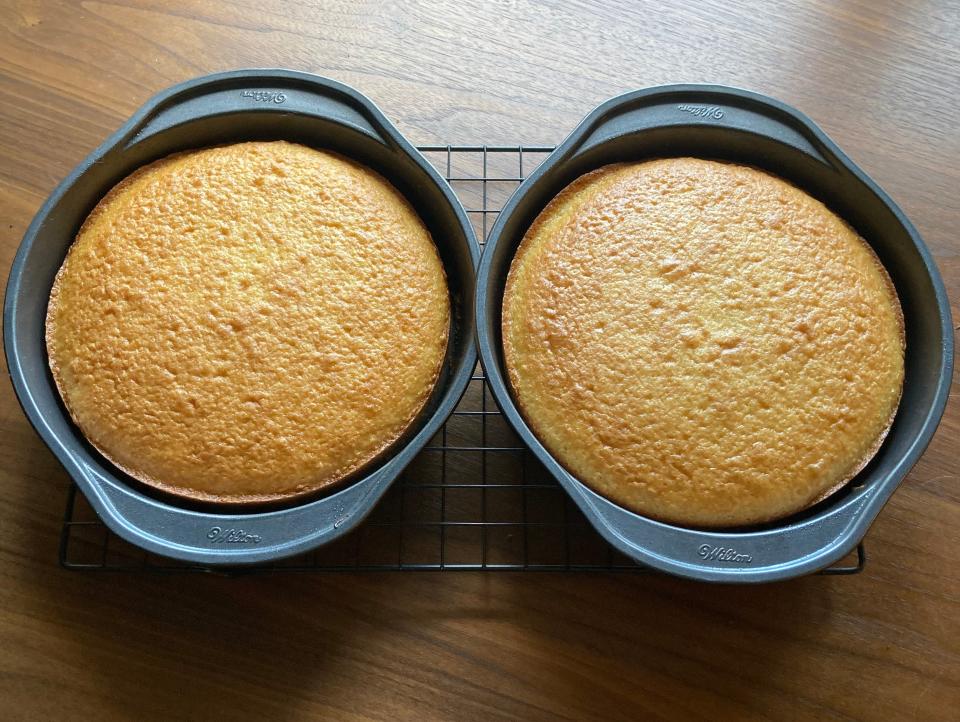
740 126
211 110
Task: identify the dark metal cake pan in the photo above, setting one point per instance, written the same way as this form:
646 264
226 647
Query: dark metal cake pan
736 125
211 110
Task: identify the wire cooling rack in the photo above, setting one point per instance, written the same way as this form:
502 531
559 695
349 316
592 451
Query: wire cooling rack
473 499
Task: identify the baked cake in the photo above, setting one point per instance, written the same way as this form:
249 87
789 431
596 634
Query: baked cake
702 343
248 323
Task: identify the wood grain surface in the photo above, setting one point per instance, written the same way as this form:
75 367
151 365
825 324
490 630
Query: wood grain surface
880 77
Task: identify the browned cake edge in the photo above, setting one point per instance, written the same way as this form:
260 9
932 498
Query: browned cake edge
328 483
526 245
902 330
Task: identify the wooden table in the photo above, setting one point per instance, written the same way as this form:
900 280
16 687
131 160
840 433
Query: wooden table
880 78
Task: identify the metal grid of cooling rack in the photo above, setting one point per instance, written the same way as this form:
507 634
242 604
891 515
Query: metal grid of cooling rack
474 499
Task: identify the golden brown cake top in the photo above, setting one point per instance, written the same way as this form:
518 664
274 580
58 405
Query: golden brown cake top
701 342
248 322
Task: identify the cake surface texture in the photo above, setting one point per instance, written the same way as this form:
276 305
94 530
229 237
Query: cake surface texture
247 323
701 342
